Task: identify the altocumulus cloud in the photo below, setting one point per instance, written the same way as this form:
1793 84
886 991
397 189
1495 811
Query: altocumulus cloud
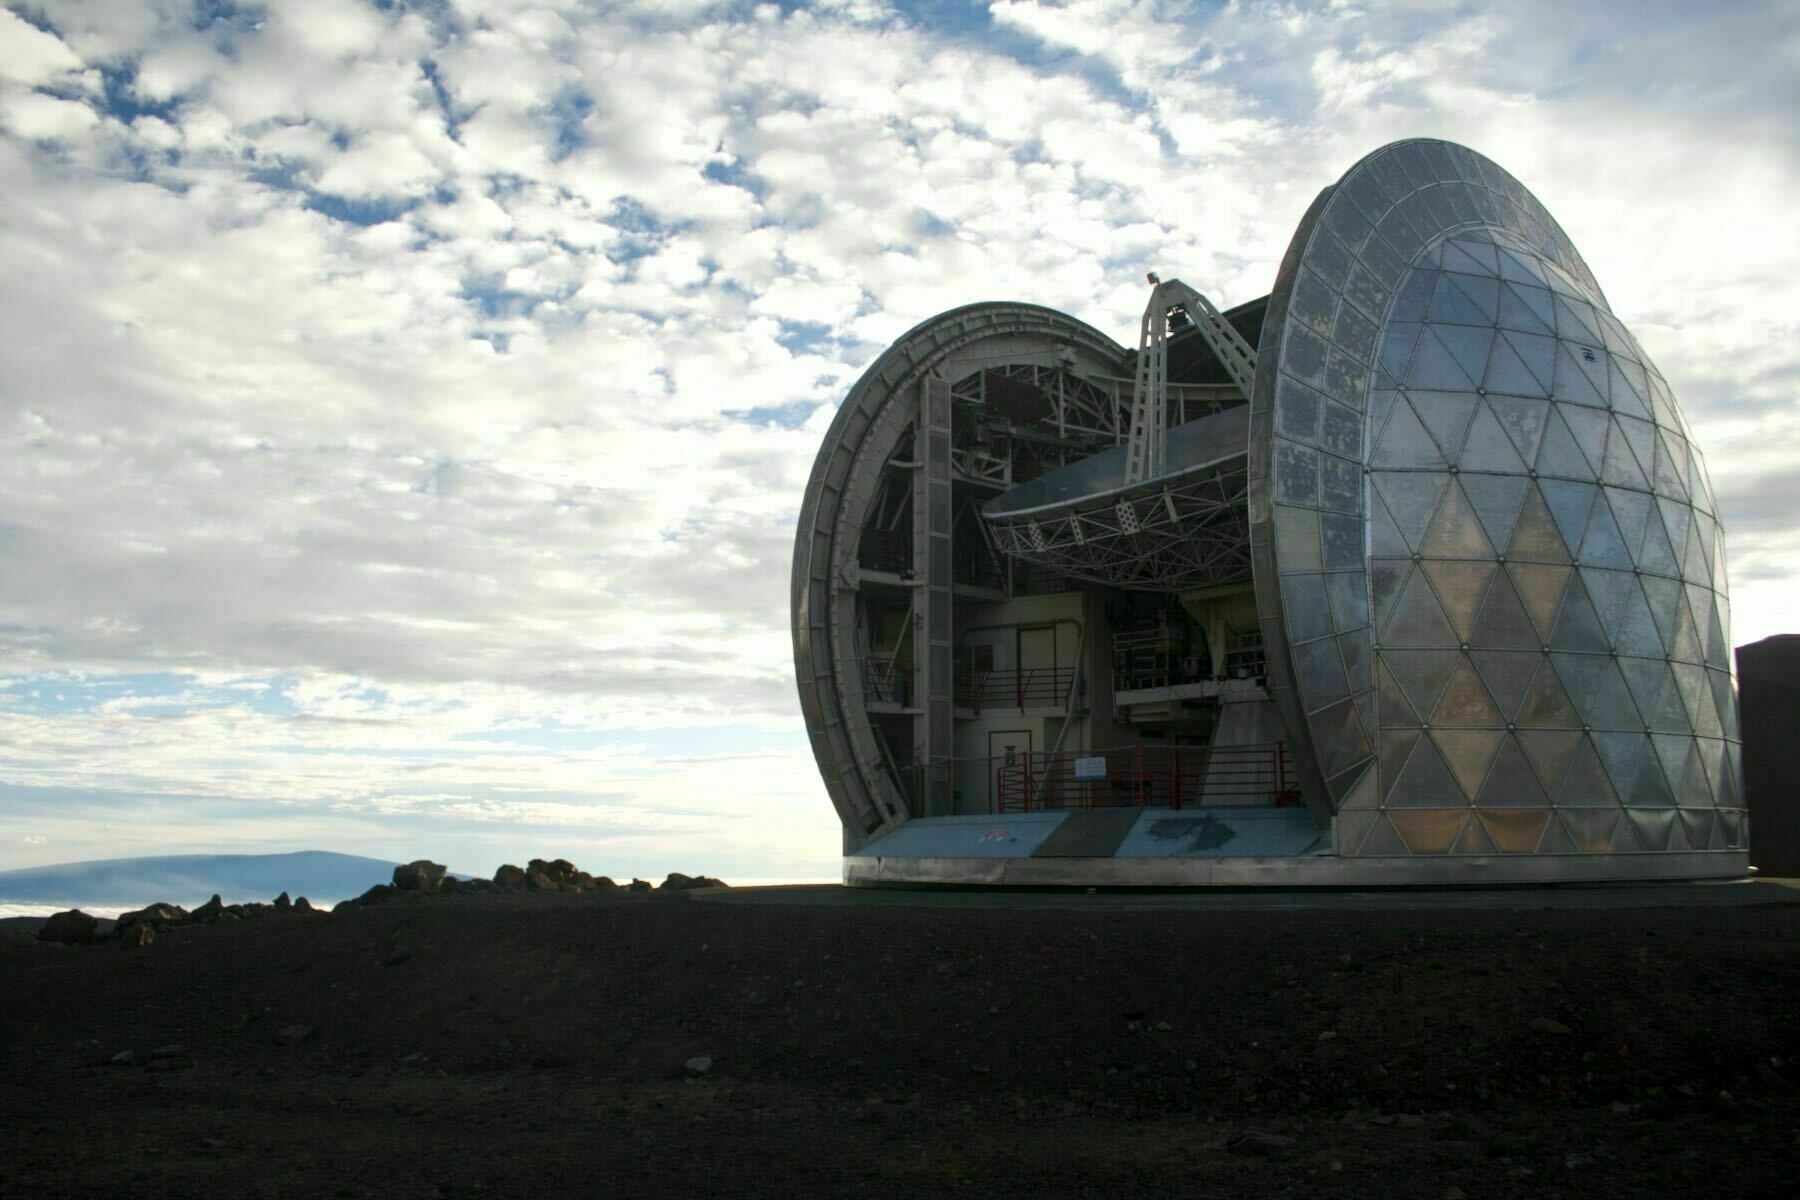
406 405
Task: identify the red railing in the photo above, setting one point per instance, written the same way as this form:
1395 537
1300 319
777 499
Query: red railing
1033 687
1146 777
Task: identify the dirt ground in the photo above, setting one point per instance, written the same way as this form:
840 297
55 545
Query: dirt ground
539 1045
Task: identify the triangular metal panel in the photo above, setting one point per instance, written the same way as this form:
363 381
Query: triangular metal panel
1677 521
1577 628
1695 788
1611 706
1591 829
1556 839
1435 368
1507 673
1725 698
1502 623
1573 384
1382 840
1674 752
1507 374
1474 839
1521 268
1651 788
1539 356
1575 322
1469 752
1625 392
1420 675
1523 420
1364 794
1727 831
1467 258
1640 435
1696 565
1625 839
1635 632
1608 590
1603 545
1417 619
1398 345
1646 677
1586 783
1353 828
1547 705
1718 638
1623 754
1394 748
1540 587
1516 830
1551 751
1580 675
1456 531
1569 504
1384 536
1488 447
1588 426
1411 497
1496 500
1445 416
1405 444
1469 347
1664 597
1621 467
1631 510
1669 469
1386 577
1653 826
1516 312
1460 586
1697 827
1560 457
1535 538
1465 702
1463 299
1656 554
1511 783
1429 830
1425 781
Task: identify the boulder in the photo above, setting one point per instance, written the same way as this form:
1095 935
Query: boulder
677 882
283 902
421 876
209 912
71 928
303 905
538 881
642 885
141 934
450 884
160 915
293 1035
509 879
602 883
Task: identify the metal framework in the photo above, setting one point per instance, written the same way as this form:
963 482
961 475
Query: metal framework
1173 305
1190 531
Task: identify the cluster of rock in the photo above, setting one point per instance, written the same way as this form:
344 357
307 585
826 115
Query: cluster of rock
411 881
425 878
140 926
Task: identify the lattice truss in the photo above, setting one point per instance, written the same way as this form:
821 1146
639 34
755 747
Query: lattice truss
1191 531
1081 416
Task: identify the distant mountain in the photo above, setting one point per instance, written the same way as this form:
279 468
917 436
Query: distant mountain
189 879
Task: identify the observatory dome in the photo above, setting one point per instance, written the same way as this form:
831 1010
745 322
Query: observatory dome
1409 571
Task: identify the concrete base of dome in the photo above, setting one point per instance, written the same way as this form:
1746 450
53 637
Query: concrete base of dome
1314 870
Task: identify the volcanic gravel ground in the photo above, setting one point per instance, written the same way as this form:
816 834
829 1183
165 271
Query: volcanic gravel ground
537 1045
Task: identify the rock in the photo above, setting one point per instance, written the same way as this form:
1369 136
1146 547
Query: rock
1254 1143
136 936
509 879
282 901
1547 1025
557 870
699 1065
677 882
123 1058
304 905
293 1035
538 881
71 928
642 885
450 884
160 915
172 1050
381 893
421 876
602 883
210 911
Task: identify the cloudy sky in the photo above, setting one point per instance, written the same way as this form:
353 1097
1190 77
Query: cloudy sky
405 405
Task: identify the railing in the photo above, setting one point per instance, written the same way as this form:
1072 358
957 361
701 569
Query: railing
1033 687
1146 777
886 682
885 550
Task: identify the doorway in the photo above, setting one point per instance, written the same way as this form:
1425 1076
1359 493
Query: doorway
1006 747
